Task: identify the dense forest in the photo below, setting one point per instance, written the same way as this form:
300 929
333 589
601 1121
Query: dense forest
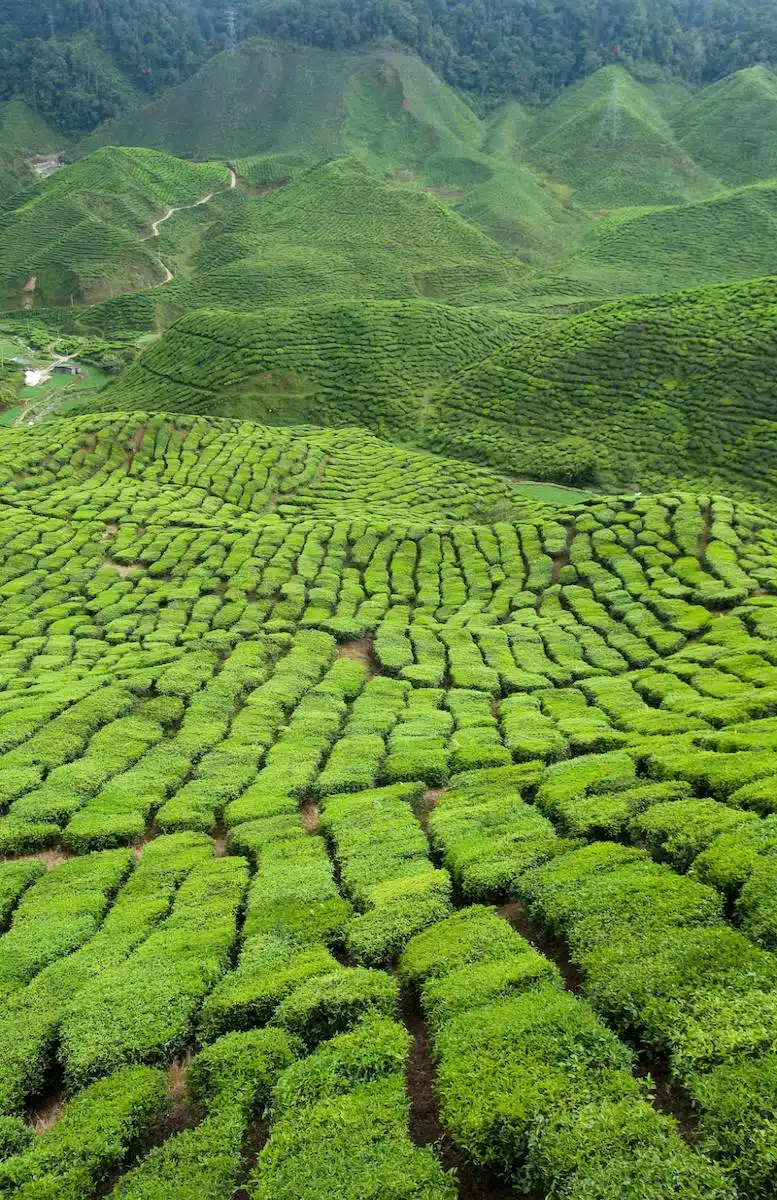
50 50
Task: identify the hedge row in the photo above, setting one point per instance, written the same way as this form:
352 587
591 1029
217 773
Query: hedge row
384 869
33 1014
531 1084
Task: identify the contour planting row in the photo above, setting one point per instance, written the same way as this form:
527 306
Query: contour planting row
657 959
202 738
625 592
531 1084
165 464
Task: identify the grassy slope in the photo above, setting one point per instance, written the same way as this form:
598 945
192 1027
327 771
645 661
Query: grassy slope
338 231
369 362
609 140
678 387
729 126
293 104
78 231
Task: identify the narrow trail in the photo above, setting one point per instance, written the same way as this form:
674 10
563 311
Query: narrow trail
183 208
28 292
27 300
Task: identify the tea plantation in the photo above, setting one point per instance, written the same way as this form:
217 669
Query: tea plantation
286 716
388 651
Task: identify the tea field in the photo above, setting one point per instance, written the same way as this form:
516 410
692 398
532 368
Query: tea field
673 390
371 828
388 637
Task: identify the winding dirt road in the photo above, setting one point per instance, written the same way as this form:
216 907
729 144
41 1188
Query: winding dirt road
182 208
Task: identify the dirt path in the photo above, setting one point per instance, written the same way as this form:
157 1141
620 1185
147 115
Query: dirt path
169 213
28 292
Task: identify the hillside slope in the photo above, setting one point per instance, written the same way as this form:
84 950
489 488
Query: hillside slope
643 392
729 237
23 134
366 362
729 126
78 233
608 139
648 392
269 96
273 101
336 232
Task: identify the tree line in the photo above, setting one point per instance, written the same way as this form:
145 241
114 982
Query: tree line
50 50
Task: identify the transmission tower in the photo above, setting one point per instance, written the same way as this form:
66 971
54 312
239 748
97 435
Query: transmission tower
231 41
611 123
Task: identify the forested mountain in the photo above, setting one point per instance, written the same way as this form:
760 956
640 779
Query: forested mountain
80 62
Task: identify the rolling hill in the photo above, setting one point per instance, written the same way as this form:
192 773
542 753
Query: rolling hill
643 392
608 139
336 231
732 236
367 362
78 233
729 126
388 618
271 104
269 97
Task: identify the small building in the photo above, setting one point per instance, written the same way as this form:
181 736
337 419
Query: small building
67 368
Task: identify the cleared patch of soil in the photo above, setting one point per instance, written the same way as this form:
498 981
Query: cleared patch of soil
50 858
311 815
360 651
120 568
257 1136
180 1111
553 949
45 1113
668 1096
431 796
219 841
139 846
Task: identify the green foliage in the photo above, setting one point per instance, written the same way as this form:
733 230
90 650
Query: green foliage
329 1004
94 1134
77 232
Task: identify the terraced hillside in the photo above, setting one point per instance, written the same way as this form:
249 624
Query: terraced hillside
728 237
78 234
342 784
274 107
728 126
610 140
643 393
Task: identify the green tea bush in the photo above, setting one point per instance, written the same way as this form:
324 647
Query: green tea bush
93 1136
328 1004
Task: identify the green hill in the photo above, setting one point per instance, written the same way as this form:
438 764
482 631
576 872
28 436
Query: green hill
273 106
270 97
608 139
648 392
337 231
732 236
644 392
367 363
79 231
729 126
